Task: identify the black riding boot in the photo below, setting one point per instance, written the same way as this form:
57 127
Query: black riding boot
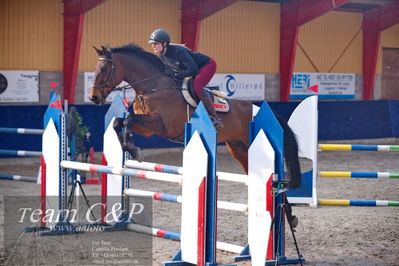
217 122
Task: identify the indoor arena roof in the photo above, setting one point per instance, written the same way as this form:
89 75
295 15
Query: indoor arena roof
353 5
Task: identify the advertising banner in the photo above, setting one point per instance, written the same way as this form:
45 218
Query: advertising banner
326 85
241 86
19 86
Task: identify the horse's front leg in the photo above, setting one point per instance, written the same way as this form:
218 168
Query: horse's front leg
126 139
118 126
145 125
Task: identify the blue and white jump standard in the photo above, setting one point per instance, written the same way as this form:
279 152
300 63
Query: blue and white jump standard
53 178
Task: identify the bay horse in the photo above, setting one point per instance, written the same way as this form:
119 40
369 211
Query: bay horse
159 107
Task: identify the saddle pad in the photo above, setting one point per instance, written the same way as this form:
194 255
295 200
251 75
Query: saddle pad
221 105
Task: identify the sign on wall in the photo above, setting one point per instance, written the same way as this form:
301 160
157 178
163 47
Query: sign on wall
241 86
326 85
88 81
19 86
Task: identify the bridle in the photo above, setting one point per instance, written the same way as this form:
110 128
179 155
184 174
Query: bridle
110 77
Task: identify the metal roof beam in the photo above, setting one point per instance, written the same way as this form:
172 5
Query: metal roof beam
293 15
374 22
304 11
74 11
390 15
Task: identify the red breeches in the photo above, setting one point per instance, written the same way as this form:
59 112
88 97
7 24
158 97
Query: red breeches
204 76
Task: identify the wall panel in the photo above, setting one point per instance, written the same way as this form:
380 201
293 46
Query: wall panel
243 38
390 37
119 22
31 34
327 41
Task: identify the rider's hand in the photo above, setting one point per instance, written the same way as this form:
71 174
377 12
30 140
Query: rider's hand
175 75
179 76
169 72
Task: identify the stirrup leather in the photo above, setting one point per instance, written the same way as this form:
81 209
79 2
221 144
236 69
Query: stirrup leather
217 122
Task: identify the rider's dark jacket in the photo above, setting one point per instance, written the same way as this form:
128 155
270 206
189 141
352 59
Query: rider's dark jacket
184 61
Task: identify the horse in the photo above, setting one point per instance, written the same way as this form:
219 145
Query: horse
159 107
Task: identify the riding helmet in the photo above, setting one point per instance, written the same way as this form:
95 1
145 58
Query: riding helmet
159 35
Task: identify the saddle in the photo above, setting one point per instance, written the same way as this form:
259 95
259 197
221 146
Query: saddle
218 97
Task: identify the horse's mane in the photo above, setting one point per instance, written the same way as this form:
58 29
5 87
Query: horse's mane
137 50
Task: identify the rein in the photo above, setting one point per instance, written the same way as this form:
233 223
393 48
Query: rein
147 79
110 78
111 75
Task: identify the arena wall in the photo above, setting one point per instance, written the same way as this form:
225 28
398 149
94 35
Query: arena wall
338 120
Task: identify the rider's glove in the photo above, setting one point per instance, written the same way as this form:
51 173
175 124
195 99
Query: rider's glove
179 76
169 72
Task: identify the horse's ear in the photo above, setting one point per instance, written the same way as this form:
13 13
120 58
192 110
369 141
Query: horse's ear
105 51
98 51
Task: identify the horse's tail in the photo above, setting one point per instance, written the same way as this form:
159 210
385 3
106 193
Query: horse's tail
291 154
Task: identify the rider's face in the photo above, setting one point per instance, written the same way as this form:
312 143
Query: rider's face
157 47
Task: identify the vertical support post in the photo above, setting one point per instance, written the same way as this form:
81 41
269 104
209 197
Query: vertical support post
193 11
113 155
288 40
293 14
74 13
73 29
51 154
266 121
374 22
371 47
201 123
190 23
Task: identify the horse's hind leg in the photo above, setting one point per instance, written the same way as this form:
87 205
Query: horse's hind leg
239 151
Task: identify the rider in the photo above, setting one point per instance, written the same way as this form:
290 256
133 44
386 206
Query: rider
181 62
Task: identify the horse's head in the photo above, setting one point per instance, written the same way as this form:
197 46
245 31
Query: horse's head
105 76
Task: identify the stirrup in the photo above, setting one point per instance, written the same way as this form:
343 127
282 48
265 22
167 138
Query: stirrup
217 122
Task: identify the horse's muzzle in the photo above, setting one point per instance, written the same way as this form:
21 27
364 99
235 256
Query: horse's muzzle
96 100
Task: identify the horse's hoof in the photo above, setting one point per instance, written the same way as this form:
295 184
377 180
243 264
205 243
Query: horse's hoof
294 221
135 154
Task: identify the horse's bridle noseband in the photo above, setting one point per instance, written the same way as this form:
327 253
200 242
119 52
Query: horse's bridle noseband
110 76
